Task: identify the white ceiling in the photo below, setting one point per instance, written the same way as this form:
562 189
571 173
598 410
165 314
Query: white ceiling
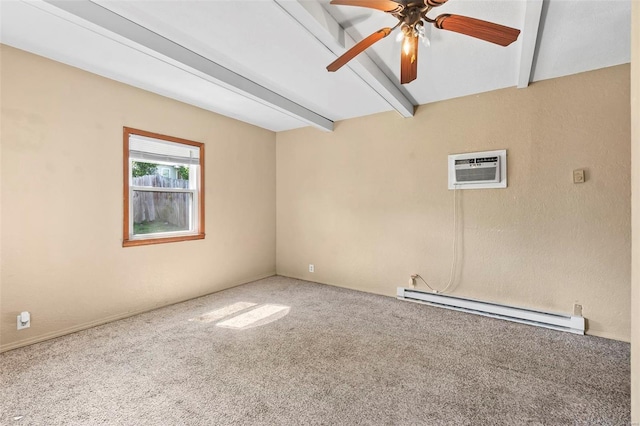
263 61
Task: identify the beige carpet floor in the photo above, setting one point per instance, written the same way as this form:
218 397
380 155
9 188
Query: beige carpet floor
297 353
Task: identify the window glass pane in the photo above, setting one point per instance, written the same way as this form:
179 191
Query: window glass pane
155 212
160 175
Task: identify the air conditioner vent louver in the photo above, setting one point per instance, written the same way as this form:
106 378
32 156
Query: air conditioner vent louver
478 170
478 174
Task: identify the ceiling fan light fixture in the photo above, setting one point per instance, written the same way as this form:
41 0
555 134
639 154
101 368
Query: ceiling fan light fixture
412 16
422 34
406 45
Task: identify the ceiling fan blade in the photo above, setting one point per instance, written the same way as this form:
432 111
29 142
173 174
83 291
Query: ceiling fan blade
409 59
357 49
383 5
488 31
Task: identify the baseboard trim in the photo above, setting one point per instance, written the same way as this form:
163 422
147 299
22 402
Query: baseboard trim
606 335
85 326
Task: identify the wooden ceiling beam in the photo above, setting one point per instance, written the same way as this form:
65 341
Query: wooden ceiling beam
189 60
318 22
528 44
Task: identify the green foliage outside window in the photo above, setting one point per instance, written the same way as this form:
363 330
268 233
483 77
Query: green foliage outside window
143 169
183 172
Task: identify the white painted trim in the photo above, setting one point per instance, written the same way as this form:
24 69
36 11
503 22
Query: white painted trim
164 189
532 15
554 321
319 23
214 72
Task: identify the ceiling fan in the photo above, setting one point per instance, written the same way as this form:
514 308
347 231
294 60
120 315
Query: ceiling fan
412 15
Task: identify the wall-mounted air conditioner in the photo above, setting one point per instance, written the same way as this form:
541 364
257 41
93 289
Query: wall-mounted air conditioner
476 170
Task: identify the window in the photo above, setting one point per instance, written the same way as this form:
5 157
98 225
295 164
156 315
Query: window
163 189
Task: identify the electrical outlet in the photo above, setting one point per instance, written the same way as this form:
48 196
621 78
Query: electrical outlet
24 320
577 310
578 176
413 281
311 268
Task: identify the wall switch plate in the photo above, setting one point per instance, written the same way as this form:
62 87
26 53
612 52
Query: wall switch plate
24 320
311 268
578 176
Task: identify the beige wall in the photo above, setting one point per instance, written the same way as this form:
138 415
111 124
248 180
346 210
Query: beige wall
368 205
635 158
62 257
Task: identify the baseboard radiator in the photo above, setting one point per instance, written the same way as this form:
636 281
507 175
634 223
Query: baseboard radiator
568 323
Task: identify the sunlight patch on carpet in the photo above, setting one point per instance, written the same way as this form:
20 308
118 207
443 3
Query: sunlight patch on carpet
256 317
223 312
